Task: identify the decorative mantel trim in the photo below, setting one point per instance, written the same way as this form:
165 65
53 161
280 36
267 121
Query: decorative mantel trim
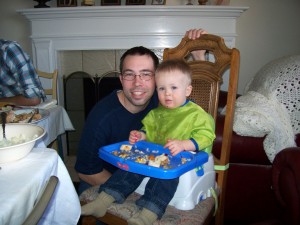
149 10
151 20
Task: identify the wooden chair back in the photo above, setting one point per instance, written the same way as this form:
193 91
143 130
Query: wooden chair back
53 76
53 92
207 77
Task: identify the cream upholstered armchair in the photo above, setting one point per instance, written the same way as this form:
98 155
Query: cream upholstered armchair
206 81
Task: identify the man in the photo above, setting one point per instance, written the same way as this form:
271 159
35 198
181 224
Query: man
112 119
19 83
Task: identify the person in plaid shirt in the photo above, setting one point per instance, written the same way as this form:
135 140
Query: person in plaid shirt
19 82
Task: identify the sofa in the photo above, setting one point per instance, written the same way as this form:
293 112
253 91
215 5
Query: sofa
258 191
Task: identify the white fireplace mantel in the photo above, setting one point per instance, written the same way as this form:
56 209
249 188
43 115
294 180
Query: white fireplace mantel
121 27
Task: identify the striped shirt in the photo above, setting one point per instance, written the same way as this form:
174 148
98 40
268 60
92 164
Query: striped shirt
17 73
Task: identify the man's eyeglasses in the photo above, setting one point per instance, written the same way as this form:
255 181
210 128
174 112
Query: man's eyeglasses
144 75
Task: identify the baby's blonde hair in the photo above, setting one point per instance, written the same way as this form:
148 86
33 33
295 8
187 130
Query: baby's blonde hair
174 64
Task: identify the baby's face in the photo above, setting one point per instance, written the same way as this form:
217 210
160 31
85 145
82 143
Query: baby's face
172 88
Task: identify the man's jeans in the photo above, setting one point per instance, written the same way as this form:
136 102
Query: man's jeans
82 187
158 192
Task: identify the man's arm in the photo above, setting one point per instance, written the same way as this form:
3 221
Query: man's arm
28 89
95 179
21 100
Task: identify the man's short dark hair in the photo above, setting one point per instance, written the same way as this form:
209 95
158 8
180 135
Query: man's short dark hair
139 50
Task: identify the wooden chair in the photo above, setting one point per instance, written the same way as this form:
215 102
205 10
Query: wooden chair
42 203
53 92
207 79
53 76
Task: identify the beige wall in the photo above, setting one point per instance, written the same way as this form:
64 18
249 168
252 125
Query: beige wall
267 30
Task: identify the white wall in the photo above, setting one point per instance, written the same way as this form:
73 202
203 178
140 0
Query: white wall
267 30
13 26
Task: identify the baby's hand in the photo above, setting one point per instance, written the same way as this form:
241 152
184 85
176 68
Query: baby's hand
134 136
175 146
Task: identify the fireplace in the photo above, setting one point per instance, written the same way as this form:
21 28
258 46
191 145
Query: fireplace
58 33
120 27
81 92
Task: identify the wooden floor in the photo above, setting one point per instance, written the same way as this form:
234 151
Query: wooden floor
70 163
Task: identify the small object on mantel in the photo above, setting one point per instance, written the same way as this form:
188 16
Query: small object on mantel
135 2
202 2
219 2
42 4
88 3
66 3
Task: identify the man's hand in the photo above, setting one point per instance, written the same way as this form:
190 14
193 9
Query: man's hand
194 34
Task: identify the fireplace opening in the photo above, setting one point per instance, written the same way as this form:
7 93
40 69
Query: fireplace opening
81 92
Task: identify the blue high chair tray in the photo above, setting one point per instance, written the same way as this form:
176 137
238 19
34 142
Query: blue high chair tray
139 159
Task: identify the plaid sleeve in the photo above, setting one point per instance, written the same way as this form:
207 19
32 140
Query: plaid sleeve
21 66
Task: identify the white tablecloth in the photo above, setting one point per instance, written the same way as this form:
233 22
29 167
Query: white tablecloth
56 124
22 181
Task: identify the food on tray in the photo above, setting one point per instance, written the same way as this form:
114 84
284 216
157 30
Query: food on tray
151 157
123 155
126 147
160 160
183 160
116 153
147 157
141 159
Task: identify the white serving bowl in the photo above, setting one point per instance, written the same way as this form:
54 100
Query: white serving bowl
18 151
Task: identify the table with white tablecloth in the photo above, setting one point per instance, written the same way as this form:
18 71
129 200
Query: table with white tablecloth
22 181
56 124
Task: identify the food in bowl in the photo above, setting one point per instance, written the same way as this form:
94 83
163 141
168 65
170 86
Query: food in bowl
28 134
16 140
